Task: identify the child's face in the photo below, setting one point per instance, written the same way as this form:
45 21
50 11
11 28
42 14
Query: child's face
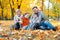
26 16
35 16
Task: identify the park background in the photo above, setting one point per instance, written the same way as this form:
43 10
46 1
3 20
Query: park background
51 9
8 8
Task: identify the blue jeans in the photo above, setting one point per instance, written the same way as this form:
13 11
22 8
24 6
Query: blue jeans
46 25
32 26
17 25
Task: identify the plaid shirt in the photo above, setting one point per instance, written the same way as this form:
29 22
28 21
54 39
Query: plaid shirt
40 18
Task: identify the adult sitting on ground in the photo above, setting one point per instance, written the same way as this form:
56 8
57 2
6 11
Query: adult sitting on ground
42 22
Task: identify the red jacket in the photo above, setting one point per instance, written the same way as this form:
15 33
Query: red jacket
25 21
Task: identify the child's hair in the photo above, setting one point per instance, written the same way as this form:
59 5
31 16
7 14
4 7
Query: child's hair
36 15
25 14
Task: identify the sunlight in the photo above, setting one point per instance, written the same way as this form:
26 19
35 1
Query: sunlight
48 4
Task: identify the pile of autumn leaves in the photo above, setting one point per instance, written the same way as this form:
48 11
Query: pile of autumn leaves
36 34
29 34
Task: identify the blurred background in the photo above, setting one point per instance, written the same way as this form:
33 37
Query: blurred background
8 8
51 9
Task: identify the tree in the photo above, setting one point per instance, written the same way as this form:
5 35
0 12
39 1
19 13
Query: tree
2 6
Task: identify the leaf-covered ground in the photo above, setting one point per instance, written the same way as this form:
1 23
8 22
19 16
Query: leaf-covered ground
7 34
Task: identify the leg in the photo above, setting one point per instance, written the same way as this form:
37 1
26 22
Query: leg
43 26
30 26
17 25
36 26
25 28
33 26
49 24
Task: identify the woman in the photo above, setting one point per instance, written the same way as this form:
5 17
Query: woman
17 19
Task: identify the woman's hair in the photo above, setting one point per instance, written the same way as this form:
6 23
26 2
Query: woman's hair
25 14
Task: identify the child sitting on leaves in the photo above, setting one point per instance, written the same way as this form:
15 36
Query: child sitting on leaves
25 20
17 19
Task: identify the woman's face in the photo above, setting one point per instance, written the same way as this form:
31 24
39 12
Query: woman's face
27 16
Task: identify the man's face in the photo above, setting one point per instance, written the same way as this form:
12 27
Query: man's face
35 10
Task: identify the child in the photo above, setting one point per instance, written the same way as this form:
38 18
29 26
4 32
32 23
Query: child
25 20
17 19
33 23
35 19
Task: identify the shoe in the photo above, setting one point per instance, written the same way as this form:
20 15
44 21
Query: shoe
55 28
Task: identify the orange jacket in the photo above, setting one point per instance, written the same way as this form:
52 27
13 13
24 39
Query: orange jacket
25 22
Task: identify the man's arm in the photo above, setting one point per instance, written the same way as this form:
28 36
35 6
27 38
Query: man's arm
39 18
43 15
31 18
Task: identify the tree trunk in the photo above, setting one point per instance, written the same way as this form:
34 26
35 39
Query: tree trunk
19 6
12 9
42 4
2 9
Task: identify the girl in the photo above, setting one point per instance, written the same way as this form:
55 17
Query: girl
25 20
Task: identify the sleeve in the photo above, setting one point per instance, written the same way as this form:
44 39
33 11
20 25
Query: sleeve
39 18
15 20
43 15
31 18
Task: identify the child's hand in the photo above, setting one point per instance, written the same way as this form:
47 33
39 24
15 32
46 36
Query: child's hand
35 16
20 22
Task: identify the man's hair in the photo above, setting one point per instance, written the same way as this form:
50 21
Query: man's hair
34 7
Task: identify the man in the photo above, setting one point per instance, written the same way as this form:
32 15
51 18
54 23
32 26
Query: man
44 24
